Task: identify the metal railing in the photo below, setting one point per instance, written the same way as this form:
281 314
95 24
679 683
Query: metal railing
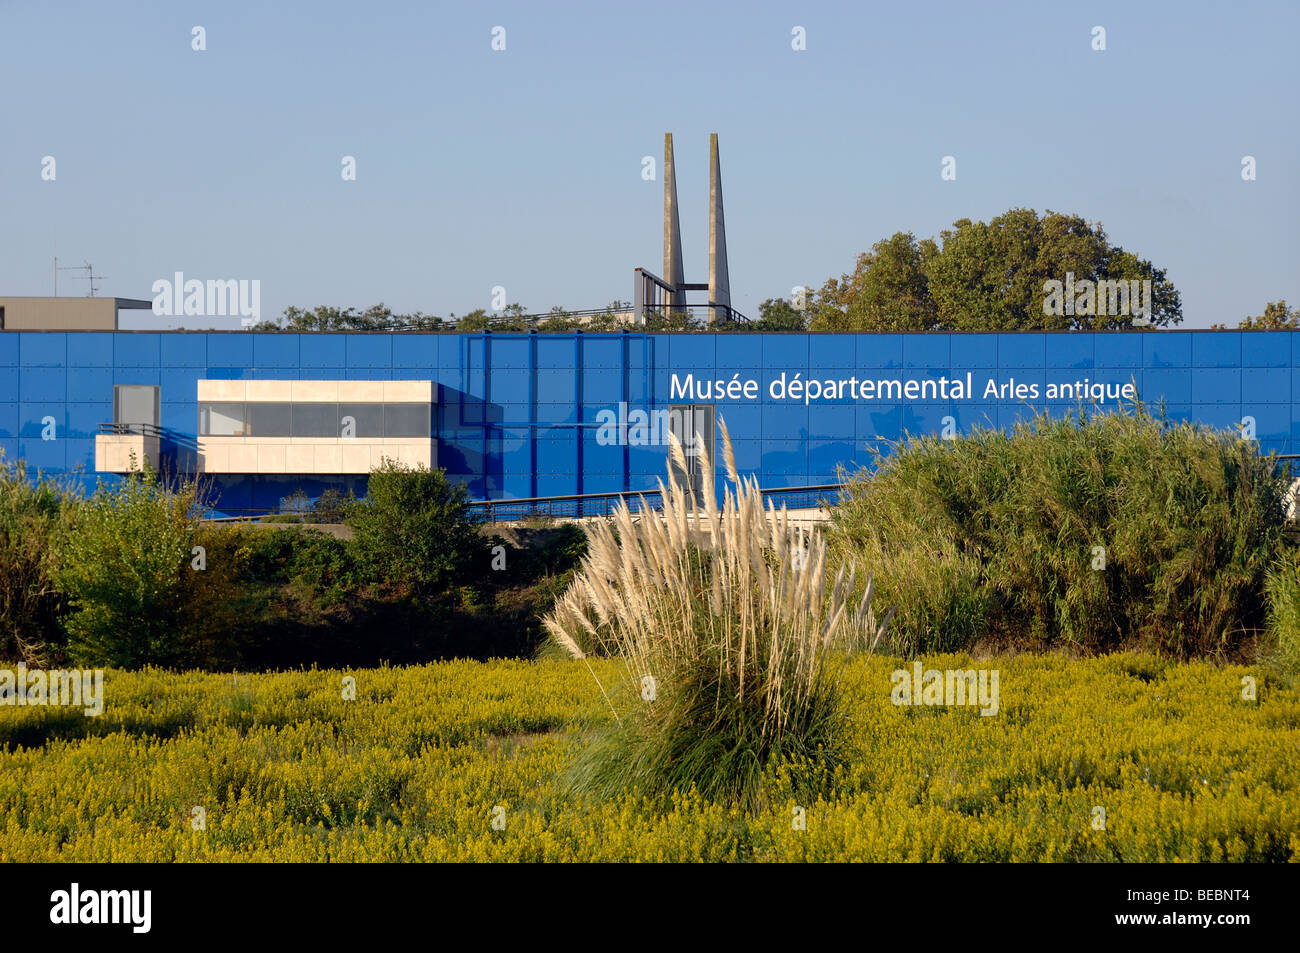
144 430
583 505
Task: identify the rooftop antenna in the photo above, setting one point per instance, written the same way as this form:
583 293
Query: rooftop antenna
90 276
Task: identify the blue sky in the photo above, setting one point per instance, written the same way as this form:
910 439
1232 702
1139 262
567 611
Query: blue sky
522 168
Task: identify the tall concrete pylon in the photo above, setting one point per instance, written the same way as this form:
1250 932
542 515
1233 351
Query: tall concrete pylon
673 270
719 281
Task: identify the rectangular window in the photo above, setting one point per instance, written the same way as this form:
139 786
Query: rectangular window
222 420
268 420
316 420
135 404
406 420
367 419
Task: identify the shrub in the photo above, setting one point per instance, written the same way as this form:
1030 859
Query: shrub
1005 536
1282 586
121 557
726 633
412 530
30 605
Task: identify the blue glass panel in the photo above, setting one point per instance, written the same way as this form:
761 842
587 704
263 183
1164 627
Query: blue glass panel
275 351
1118 349
1174 386
1166 349
319 351
880 350
973 350
419 351
9 420
1022 350
1074 350
1266 348
90 349
369 350
136 349
1216 385
42 349
45 384
740 350
1216 349
184 350
926 350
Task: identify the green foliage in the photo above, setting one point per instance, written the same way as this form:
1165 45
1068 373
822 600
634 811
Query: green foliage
1276 317
1282 585
995 536
986 277
121 559
30 605
412 531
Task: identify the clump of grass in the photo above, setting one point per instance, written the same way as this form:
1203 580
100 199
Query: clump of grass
730 638
1282 586
1086 532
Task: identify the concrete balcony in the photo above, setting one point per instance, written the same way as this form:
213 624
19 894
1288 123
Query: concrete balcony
311 455
122 448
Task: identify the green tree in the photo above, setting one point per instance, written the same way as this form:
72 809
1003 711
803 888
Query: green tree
30 604
412 530
887 291
122 554
1276 317
988 277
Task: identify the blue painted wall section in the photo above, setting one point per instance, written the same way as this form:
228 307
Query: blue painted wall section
518 414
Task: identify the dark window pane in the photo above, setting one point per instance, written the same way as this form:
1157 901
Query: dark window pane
369 419
315 420
406 420
268 420
221 420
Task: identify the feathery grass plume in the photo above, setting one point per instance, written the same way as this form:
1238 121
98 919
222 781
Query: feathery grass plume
729 639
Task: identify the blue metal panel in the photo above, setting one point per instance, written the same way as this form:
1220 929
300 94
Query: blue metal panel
321 350
796 350
785 421
691 352
746 419
418 351
1221 349
182 417
8 383
369 350
90 349
974 350
181 349
178 383
833 422
9 419
42 349
48 455
135 349
556 386
1172 385
1216 385
84 417
736 351
131 374
1167 349
1075 350
42 384
1118 349
876 421
927 351
91 383
9 348
1266 349
600 350
880 350
824 350
1272 423
602 386
596 458
1220 415
1022 350
509 352
275 351
1266 385
231 350
825 455
369 373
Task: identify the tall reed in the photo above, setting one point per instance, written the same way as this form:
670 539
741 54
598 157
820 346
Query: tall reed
728 628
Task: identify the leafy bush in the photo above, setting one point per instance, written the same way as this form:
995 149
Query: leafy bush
1090 532
726 633
30 605
121 559
1282 585
412 530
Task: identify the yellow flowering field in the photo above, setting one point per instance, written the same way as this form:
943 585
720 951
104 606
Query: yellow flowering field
1117 758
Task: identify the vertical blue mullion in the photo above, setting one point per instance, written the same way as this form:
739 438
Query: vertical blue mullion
577 400
487 392
532 412
627 453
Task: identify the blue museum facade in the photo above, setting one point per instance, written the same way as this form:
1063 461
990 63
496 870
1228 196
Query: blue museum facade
531 415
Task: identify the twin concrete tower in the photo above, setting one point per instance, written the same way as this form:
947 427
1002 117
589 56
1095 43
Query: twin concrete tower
669 292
